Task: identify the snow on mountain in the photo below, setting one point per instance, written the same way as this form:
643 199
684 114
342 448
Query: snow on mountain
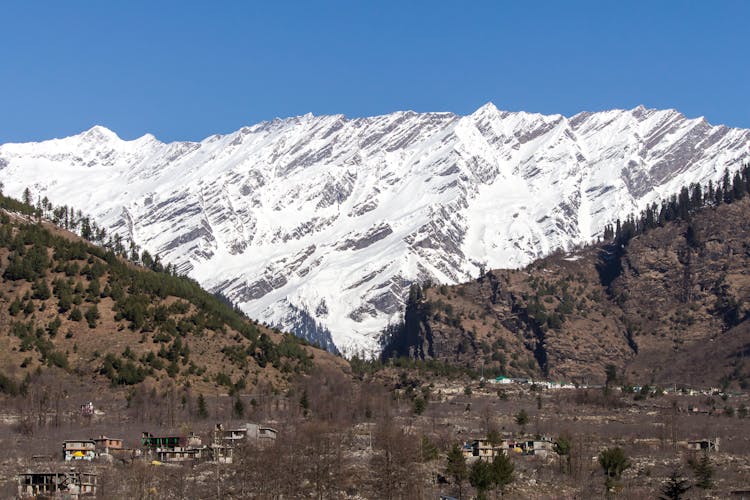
320 223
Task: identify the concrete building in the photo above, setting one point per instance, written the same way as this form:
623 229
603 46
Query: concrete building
173 448
226 440
502 380
481 449
707 445
79 449
229 437
49 484
105 444
151 442
260 433
541 447
179 454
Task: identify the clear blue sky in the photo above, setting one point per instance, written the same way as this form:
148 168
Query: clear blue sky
183 70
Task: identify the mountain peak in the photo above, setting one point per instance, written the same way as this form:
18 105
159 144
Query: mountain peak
487 108
99 132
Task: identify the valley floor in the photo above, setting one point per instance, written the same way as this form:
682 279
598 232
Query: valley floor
388 437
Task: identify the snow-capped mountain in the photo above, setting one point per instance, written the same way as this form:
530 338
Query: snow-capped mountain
320 223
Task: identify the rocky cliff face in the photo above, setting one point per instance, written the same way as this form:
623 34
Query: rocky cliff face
669 308
322 223
682 293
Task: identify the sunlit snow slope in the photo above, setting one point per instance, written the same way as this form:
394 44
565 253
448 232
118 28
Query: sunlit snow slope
321 223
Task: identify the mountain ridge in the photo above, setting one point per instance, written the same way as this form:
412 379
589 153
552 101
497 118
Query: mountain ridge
336 217
98 127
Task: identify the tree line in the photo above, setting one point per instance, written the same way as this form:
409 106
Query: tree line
681 206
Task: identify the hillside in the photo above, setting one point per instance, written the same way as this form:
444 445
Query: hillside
667 304
319 224
81 311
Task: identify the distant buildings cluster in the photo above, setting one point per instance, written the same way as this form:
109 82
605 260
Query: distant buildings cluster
484 448
158 450
545 384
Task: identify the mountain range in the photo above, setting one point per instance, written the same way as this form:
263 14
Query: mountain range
320 224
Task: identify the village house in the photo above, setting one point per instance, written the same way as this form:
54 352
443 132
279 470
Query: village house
151 442
226 440
541 384
190 448
173 448
179 454
229 437
68 484
707 445
541 447
259 433
502 380
105 444
109 448
557 385
481 448
79 449
224 443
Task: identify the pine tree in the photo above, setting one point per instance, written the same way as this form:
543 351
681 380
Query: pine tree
94 290
457 469
40 290
683 204
562 447
696 199
522 418
675 486
481 478
15 307
703 471
238 408
419 405
502 471
304 403
28 308
610 372
614 462
92 315
65 302
75 314
202 407
26 197
718 196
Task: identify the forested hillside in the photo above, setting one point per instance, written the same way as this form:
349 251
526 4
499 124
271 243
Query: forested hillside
69 305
